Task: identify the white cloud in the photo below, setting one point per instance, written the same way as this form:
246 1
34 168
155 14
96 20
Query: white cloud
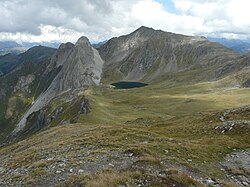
221 17
48 33
65 20
238 12
153 14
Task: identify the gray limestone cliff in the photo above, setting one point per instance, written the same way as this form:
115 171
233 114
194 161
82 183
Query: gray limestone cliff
81 65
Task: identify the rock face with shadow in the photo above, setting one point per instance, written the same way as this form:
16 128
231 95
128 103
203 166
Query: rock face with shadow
85 107
247 83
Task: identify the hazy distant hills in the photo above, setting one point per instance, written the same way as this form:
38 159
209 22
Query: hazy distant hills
239 46
11 52
9 44
99 44
17 48
18 55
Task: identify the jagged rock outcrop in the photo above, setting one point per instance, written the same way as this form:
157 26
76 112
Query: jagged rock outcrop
247 83
24 82
61 56
41 121
54 114
85 107
2 92
81 65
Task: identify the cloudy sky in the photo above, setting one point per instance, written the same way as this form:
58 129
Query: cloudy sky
67 20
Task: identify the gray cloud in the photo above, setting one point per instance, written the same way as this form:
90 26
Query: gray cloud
27 15
102 19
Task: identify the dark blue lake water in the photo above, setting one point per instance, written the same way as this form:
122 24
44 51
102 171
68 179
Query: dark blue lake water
128 85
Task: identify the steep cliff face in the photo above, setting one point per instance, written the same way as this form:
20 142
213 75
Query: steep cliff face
147 54
83 67
61 56
80 65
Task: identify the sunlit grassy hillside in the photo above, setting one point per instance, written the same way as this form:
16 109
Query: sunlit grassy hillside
156 136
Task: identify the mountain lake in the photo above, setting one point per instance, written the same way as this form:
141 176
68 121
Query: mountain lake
128 85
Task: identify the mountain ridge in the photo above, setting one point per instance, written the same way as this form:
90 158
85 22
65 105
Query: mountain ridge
159 49
145 55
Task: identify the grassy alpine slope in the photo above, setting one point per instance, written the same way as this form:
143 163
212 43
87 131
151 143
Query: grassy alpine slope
150 136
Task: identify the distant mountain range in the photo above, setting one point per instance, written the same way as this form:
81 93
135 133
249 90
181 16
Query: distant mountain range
17 48
239 46
11 60
11 52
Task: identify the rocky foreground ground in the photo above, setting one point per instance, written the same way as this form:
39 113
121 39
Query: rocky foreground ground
95 155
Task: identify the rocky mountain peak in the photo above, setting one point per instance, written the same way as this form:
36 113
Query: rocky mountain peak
81 65
143 32
144 29
83 41
59 58
65 46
